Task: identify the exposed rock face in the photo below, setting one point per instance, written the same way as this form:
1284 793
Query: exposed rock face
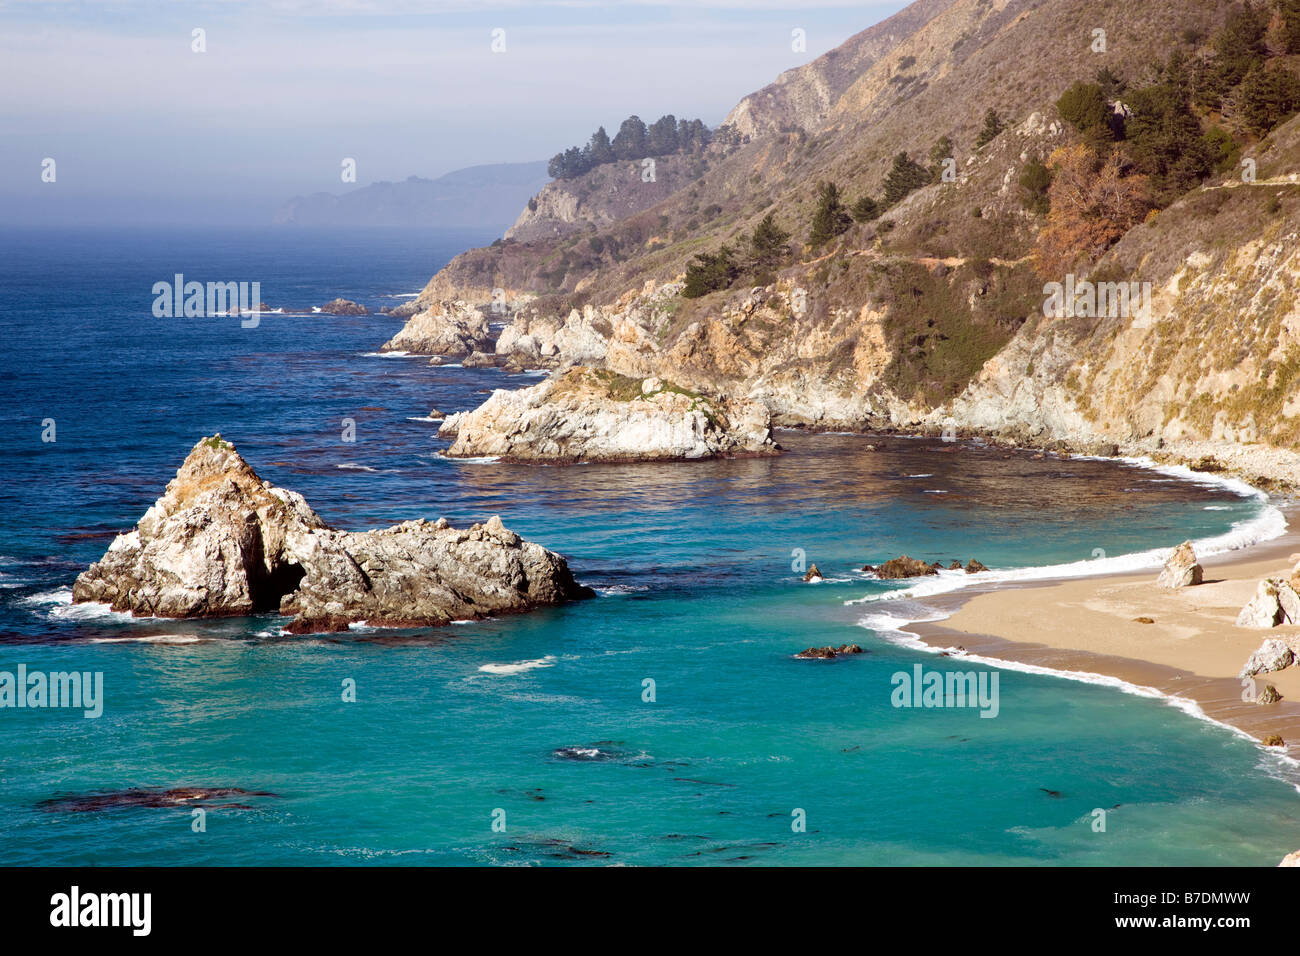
904 567
535 340
600 197
1268 695
1291 859
813 574
1273 655
975 567
1181 569
1273 740
447 328
344 307
1275 602
584 414
222 542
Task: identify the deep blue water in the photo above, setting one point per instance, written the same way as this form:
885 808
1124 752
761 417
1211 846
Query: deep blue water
693 562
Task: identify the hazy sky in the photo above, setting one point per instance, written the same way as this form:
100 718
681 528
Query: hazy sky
144 129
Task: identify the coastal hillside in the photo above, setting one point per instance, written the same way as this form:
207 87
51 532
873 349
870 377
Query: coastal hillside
1218 356
874 247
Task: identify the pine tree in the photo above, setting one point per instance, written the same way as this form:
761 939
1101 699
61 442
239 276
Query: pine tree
992 126
767 246
630 141
709 272
1268 95
662 136
831 218
602 151
1035 181
1289 11
904 177
866 209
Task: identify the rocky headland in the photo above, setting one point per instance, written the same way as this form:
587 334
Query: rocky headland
586 414
452 329
222 542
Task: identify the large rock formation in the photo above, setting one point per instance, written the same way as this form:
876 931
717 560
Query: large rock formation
452 328
904 567
1273 655
1181 569
222 542
1275 602
585 414
344 307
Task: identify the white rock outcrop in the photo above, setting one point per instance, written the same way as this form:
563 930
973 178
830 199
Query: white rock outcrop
221 542
453 328
1181 569
1273 655
585 414
1275 602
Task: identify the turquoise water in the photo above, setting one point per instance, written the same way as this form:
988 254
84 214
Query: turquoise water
693 564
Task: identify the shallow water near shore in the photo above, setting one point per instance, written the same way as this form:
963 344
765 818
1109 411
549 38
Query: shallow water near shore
541 719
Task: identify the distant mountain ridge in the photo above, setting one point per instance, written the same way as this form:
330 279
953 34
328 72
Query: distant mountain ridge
489 195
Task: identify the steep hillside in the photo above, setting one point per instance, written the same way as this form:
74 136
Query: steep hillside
804 96
928 311
1217 359
602 197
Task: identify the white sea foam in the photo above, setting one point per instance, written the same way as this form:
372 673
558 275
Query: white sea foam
889 627
891 613
395 354
353 466
622 588
150 639
489 460
1269 523
423 418
57 596
519 666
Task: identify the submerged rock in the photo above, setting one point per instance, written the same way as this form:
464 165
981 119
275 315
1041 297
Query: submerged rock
585 414
452 328
150 797
1273 655
1181 569
344 307
827 653
905 567
222 542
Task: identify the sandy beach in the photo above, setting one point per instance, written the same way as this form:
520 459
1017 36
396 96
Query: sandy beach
1192 650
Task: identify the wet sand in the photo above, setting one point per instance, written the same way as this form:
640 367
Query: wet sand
1192 650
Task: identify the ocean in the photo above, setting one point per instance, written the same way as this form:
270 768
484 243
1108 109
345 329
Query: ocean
666 722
